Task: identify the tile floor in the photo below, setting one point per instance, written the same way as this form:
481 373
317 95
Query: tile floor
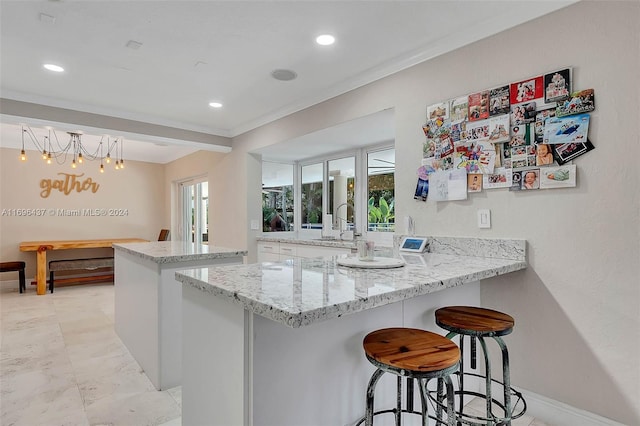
63 364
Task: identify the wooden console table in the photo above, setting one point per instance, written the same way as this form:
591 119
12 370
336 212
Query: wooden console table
41 248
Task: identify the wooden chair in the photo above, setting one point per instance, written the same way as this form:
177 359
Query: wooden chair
13 267
164 235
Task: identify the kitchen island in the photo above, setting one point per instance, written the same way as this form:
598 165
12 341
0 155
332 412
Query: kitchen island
280 343
148 301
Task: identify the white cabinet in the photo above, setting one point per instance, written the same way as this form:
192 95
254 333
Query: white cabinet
276 251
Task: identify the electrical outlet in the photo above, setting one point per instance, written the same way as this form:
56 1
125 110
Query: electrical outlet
255 225
484 218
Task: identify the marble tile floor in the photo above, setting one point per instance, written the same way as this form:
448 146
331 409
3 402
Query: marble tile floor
63 364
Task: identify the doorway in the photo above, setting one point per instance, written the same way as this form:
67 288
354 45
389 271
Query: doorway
194 212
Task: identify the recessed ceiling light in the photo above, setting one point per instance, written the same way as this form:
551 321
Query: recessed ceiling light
55 68
325 39
215 104
284 75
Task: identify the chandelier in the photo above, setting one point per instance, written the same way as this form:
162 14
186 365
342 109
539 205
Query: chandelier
52 150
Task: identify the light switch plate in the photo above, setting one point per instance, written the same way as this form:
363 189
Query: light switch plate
484 218
255 225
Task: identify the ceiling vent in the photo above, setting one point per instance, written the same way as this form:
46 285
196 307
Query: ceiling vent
284 75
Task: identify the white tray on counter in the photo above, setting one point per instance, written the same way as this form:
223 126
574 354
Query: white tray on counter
376 263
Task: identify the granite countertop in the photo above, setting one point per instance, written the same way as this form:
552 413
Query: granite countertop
300 292
177 251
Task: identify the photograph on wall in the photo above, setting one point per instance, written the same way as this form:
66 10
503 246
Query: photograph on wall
526 90
499 101
579 102
557 85
541 116
444 147
530 179
429 128
479 106
475 157
563 130
474 182
499 129
569 151
498 148
449 185
544 155
438 111
459 109
523 113
422 190
558 177
500 178
520 135
516 179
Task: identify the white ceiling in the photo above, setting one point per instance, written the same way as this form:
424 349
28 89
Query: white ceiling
194 52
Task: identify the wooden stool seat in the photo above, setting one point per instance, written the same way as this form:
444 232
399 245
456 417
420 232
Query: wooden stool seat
474 321
418 356
15 267
411 349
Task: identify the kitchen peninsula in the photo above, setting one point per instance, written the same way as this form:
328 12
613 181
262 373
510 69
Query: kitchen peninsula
280 342
148 300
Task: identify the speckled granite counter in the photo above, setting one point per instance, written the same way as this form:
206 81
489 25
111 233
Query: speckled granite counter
297 292
148 301
177 251
293 330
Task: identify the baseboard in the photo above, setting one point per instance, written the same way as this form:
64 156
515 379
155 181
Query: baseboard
559 414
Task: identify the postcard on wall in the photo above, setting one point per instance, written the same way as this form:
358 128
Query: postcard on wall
562 130
475 157
557 85
436 111
479 106
476 130
541 116
448 186
530 179
429 148
500 178
558 177
498 160
474 182
524 113
499 101
444 147
434 164
498 129
459 109
567 152
578 103
526 90
457 130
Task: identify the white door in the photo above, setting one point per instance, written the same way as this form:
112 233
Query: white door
195 211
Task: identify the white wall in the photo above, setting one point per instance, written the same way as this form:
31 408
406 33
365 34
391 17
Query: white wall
577 336
138 189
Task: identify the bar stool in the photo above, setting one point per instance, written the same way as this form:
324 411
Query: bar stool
414 354
17 267
479 323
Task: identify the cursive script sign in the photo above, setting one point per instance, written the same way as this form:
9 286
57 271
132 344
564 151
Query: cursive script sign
68 184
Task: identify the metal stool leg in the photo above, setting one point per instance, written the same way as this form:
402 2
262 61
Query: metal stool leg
398 401
487 364
506 379
370 394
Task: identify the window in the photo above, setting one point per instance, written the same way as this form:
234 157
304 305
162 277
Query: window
311 196
277 197
380 190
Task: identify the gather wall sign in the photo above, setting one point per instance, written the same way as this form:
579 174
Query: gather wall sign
67 184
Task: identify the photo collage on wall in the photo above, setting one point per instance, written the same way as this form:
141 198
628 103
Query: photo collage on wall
520 136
